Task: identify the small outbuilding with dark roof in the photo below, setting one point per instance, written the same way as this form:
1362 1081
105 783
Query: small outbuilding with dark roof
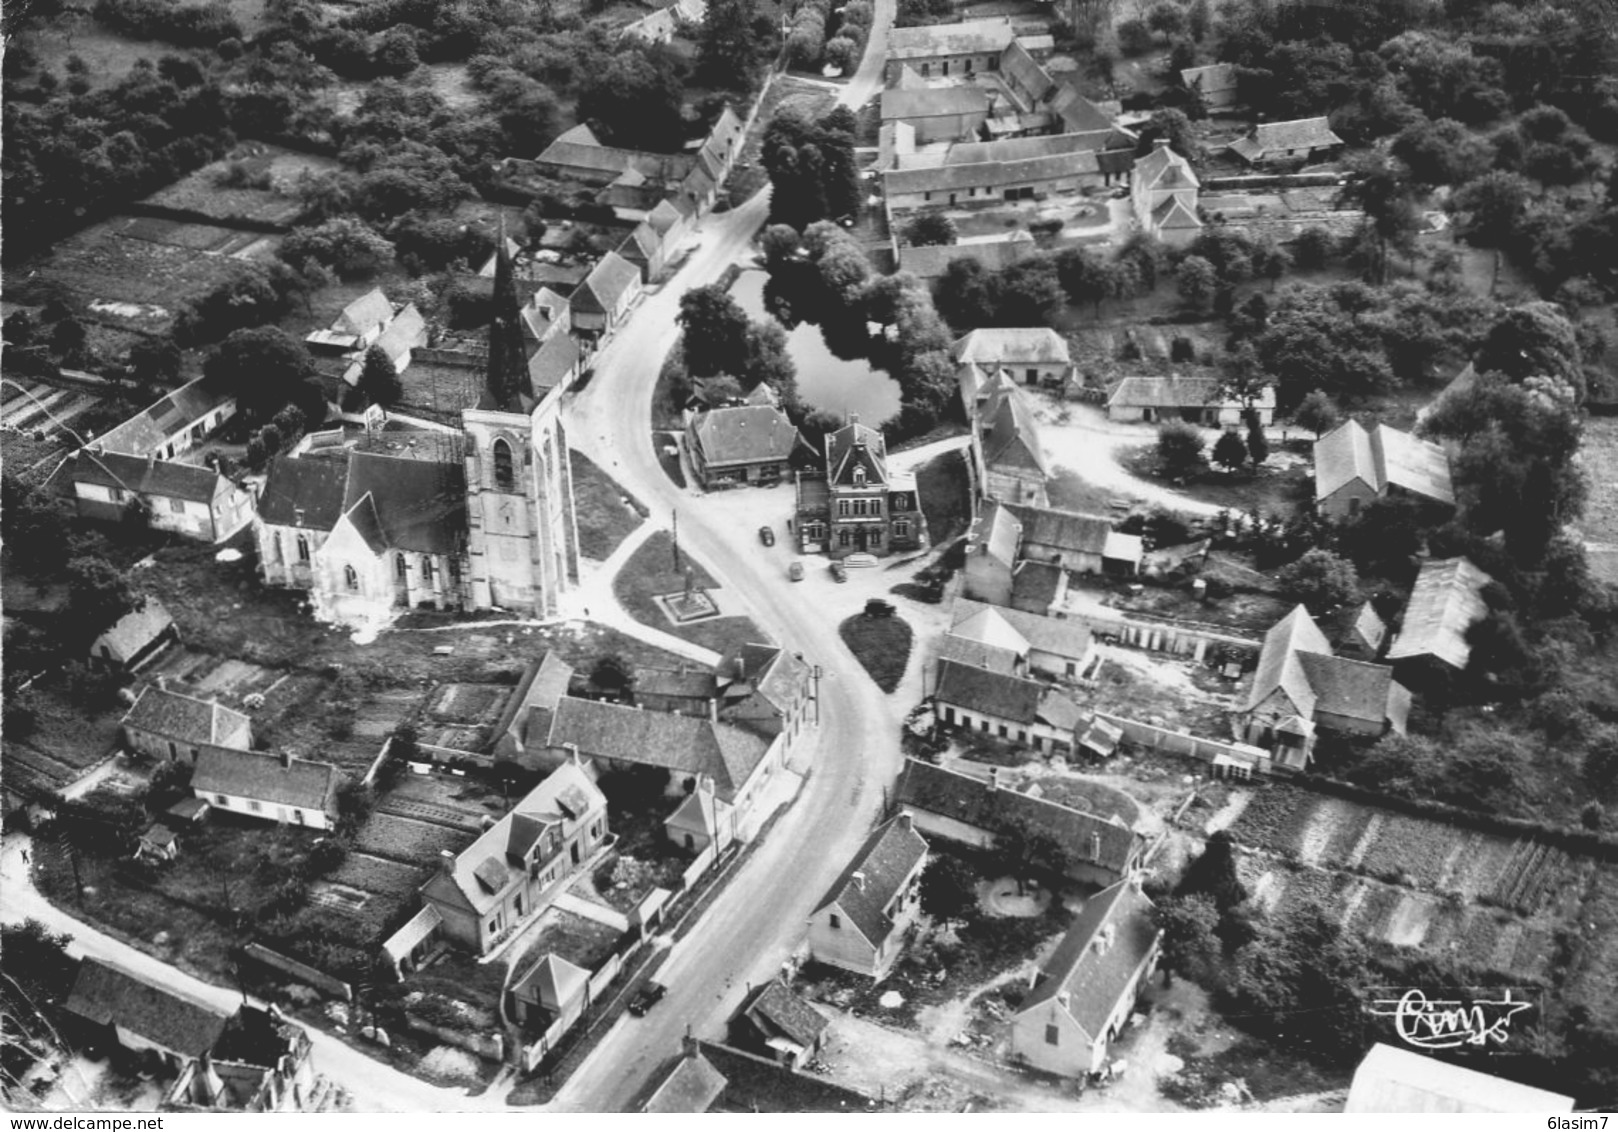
164 724
860 924
274 788
136 638
141 1016
773 1022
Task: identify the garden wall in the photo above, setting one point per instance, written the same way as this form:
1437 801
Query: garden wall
492 1047
1184 743
300 971
1166 636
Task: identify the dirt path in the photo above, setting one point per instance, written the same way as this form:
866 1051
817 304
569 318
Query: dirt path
1080 438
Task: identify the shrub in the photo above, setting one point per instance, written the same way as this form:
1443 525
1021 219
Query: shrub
1321 580
1179 446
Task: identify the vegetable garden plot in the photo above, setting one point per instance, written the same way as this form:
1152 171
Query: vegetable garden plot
1411 848
1376 910
1275 819
409 842
378 875
1333 832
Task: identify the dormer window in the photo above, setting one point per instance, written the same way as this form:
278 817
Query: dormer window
859 477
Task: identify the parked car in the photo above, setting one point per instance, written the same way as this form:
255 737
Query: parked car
839 572
795 571
766 536
647 997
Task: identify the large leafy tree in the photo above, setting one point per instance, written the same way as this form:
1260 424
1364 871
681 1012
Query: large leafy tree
727 49
379 382
98 595
715 331
811 167
1380 186
1321 580
267 369
635 100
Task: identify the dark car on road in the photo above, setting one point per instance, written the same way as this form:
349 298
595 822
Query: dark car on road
766 536
647 997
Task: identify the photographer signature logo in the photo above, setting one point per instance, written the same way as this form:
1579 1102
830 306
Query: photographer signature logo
1483 1017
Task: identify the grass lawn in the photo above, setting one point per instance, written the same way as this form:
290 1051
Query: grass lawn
650 572
944 489
1283 486
881 645
606 513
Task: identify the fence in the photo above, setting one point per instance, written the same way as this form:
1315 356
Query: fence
300 971
695 869
489 1046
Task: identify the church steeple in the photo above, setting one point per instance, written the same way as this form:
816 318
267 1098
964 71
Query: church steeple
506 386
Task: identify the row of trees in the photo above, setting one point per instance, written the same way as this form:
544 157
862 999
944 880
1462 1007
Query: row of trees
811 167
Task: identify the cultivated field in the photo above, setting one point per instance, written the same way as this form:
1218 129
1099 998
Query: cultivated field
207 192
1488 900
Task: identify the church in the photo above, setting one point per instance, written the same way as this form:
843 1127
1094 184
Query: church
389 520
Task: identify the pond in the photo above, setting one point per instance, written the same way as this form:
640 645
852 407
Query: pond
825 381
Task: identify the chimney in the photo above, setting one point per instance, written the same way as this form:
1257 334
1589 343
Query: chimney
1160 143
689 1043
1064 999
446 861
906 821
994 778
859 881
572 750
1104 940
1095 846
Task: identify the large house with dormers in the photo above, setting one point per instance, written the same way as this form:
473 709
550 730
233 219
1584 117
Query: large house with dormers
862 506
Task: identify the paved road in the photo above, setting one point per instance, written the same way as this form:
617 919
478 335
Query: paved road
755 923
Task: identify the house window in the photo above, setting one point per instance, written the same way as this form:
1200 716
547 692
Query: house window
859 477
426 569
901 528
351 579
401 568
969 66
303 549
254 805
1030 375
221 800
926 196
276 554
834 920
1053 1035
845 537
859 507
505 476
454 569
842 508
874 540
177 506
493 926
1002 731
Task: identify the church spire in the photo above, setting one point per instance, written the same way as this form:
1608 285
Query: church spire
506 385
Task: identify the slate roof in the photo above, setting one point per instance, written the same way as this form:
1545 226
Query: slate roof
303 493
1394 1080
1008 429
1024 73
795 1019
996 532
1278 665
1072 531
1369 627
966 37
875 876
856 445
364 314
1446 601
1093 966
420 505
1163 168
664 217
265 778
952 794
1015 346
144 476
1055 635
994 694
605 285
1381 457
185 719
757 1084
135 630
1008 162
580 148
1176 392
169 416
679 743
1172 214
1357 689
1037 585
553 363
977 654
934 102
984 625
744 435
1268 137
108 995
772 672
554 982
1297 659
693 1085
484 869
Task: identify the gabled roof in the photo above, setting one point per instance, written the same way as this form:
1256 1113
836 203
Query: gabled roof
679 743
553 363
693 1085
1005 162
145 476
1175 392
580 148
1063 530
663 217
553 983
420 505
775 1005
1009 431
1091 968
875 876
152 427
364 314
771 672
303 493
484 869
1012 346
983 805
977 654
856 445
1024 72
1446 601
182 718
265 778
966 37
1210 79
994 694
996 532
934 102
1078 114
985 626
1369 627
1357 689
1394 1080
744 434
108 995
135 630
1278 665
1301 133
406 331
1173 214
1056 635
1381 457
605 285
